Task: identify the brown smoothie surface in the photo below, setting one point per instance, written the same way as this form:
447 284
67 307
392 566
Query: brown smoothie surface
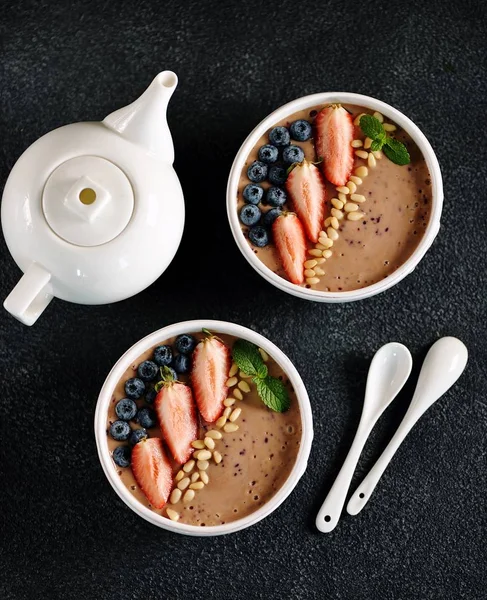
257 459
397 211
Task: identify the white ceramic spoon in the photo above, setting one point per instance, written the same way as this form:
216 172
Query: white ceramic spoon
388 372
442 366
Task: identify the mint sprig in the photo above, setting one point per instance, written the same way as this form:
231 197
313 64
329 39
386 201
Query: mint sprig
271 390
395 150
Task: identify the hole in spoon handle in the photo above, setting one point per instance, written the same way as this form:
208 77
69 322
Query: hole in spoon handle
358 500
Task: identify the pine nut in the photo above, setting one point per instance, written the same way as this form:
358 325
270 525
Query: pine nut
227 411
358 198
378 154
355 180
202 465
230 428
309 273
319 270
179 476
357 144
204 477
235 415
220 422
214 435
198 444
367 143
361 153
189 466
244 375
238 394
352 187
378 116
183 484
202 455
229 402
309 264
244 386
233 370
337 203
313 280
188 496
323 234
319 245
342 197
389 127
320 261
362 171
343 188
263 353
217 457
194 477
327 254
355 216
371 160
357 119
327 222
350 207
314 252
209 443
175 496
332 234
198 485
334 223
231 381
337 213
329 244
172 514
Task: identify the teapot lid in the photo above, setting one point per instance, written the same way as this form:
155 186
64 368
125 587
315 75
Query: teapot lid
88 201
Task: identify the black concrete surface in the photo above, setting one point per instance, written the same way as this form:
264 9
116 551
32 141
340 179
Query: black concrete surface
64 532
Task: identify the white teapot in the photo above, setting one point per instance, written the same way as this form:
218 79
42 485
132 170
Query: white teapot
94 212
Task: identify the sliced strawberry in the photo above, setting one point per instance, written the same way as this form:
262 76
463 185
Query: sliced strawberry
290 242
152 471
176 414
211 363
333 138
308 195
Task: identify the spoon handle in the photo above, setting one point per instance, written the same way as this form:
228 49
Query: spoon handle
331 508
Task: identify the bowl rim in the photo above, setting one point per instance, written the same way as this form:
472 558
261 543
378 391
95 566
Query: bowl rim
160 335
345 98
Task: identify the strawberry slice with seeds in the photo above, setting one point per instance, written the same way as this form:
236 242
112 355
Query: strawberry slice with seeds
211 363
290 242
333 138
176 413
307 190
152 471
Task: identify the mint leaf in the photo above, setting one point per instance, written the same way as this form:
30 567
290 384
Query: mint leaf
396 151
273 393
376 145
372 128
262 372
248 359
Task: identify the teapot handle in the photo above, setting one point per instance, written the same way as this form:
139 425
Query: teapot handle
29 298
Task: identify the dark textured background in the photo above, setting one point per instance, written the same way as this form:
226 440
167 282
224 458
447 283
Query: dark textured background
64 532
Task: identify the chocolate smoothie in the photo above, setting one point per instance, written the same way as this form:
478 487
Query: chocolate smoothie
397 210
256 460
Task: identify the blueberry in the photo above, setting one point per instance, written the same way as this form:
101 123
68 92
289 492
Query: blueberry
250 214
252 193
146 418
276 196
268 154
300 130
174 375
182 363
120 430
185 343
122 455
270 216
257 171
147 370
126 409
134 388
259 236
137 436
277 175
279 136
293 154
150 396
163 355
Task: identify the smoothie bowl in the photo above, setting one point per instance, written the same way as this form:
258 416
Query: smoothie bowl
203 427
335 197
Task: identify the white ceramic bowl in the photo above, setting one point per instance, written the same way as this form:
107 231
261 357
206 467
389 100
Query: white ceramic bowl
128 359
345 98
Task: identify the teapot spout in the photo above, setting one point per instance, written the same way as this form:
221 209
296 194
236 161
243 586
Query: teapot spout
144 121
